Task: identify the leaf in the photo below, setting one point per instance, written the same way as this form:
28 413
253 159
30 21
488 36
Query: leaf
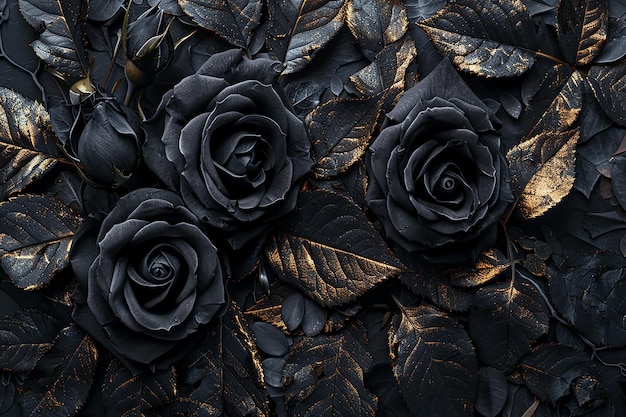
234 20
228 369
314 320
490 38
582 27
298 28
269 307
292 310
183 407
542 165
36 235
608 83
550 369
324 375
128 395
25 337
423 9
434 362
492 392
27 143
269 339
330 251
490 264
59 44
376 24
521 403
508 317
67 372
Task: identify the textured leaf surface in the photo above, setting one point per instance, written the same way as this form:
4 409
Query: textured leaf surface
36 234
298 28
434 362
24 337
489 266
330 251
63 377
228 369
490 38
543 165
609 86
492 392
128 395
235 20
324 375
27 142
59 43
508 317
582 27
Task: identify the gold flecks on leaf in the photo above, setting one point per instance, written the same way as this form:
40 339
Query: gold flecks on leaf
582 28
489 266
428 348
36 236
608 83
268 308
27 142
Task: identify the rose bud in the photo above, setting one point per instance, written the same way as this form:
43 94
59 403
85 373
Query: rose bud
109 147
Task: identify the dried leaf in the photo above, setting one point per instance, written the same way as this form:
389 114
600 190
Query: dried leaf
490 264
608 83
434 362
234 20
582 27
36 235
507 318
27 143
490 38
324 375
25 337
330 251
298 28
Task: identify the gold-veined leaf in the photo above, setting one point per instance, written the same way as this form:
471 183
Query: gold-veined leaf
434 362
324 375
229 367
376 23
36 235
127 395
61 381
582 27
24 338
268 307
330 251
59 44
234 20
28 148
542 164
490 38
608 83
490 264
299 28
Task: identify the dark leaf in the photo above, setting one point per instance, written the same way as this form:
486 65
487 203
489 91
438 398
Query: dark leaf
36 234
324 375
60 43
330 251
101 11
508 317
183 407
273 371
490 38
234 20
492 392
292 310
489 266
521 403
511 105
582 29
614 50
128 395
549 370
543 164
228 369
63 377
608 83
269 307
423 9
376 24
299 28
434 362
304 96
269 339
314 318
24 338
27 142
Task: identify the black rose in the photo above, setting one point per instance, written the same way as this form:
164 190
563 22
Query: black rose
437 177
148 278
231 146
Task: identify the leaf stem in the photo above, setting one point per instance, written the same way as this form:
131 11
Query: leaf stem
550 57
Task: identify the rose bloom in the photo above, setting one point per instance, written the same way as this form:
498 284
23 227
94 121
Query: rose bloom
148 279
230 145
437 180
